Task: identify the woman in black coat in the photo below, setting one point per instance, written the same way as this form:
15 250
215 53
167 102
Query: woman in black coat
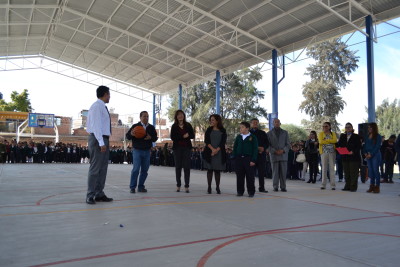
351 161
214 151
311 152
181 133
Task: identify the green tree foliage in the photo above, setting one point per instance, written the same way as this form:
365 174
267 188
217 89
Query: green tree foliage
333 63
239 101
19 102
296 133
388 117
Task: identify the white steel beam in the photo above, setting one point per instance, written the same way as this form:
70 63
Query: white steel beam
143 54
214 35
223 22
360 7
127 33
337 14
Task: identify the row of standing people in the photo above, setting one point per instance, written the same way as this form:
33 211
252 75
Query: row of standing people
41 152
249 145
357 149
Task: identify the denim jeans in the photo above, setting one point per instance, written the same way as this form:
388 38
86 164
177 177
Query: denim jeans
373 169
141 161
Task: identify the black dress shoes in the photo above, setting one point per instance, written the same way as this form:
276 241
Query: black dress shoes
275 189
239 195
142 190
90 201
251 195
103 199
133 191
284 190
263 191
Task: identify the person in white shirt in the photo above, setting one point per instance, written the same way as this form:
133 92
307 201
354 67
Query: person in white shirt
99 129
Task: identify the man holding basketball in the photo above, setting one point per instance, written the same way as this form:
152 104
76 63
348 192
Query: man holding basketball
142 134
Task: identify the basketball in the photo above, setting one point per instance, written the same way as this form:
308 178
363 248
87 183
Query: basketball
140 131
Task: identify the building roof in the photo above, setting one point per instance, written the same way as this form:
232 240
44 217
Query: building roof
159 44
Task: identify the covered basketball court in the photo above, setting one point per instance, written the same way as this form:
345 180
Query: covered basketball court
146 48
45 221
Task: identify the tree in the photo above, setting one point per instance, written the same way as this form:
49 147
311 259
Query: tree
19 102
295 132
388 117
334 62
239 101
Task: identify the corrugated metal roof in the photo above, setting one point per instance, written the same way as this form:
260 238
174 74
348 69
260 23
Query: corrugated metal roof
160 44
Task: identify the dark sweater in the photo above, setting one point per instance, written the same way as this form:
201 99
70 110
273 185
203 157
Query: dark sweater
246 147
140 143
176 137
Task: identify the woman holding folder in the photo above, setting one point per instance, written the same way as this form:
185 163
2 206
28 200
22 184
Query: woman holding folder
349 147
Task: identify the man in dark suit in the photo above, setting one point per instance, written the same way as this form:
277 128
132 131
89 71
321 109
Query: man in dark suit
262 157
279 146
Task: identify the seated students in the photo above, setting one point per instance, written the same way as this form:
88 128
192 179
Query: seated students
245 152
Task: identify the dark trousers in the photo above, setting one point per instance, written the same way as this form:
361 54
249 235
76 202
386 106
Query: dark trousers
313 165
262 170
182 160
351 169
339 169
389 166
244 171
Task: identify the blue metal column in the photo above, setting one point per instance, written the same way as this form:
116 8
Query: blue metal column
275 82
180 97
154 110
217 92
370 69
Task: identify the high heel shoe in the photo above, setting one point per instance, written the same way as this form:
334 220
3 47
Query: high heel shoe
218 191
209 190
309 181
178 189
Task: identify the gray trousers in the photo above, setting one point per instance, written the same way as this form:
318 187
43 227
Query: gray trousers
98 167
279 170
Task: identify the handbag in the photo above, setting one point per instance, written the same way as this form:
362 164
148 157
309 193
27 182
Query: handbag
301 158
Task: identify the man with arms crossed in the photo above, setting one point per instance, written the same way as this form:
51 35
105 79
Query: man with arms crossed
261 164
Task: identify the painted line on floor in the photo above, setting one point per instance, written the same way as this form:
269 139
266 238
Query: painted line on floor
132 206
243 235
203 260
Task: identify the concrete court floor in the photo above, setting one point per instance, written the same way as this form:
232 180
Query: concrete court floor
44 221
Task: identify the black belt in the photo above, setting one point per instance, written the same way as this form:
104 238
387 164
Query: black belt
244 156
104 136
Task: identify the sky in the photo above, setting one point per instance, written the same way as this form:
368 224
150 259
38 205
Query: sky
63 96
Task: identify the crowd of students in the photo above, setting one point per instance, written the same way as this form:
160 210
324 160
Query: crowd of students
316 160
42 152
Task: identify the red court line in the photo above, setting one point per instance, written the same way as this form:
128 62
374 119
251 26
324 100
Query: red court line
39 202
205 240
203 260
334 205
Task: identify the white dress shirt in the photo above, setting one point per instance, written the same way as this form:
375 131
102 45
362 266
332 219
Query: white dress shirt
98 121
